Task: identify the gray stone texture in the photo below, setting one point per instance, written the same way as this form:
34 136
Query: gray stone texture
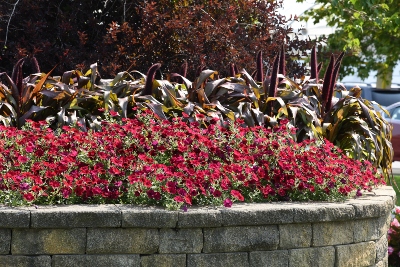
199 217
352 233
366 230
239 259
322 212
96 260
295 235
382 263
25 261
75 216
5 241
315 257
181 240
257 214
383 223
382 192
356 255
371 207
371 228
163 260
122 241
14 217
148 217
48 241
332 233
277 258
246 238
381 248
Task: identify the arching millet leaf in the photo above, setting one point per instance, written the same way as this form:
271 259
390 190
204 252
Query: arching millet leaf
326 87
260 67
273 86
333 82
184 68
282 64
151 73
232 71
16 75
314 64
35 65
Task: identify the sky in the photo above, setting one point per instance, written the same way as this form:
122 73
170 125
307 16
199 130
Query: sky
291 7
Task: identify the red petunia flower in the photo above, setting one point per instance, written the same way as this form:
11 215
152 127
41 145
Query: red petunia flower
236 194
217 193
113 113
179 199
29 197
29 148
66 192
188 199
228 203
22 159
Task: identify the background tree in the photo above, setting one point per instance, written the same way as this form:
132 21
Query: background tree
121 34
215 33
368 30
64 31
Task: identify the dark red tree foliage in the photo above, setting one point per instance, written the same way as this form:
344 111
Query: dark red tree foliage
121 35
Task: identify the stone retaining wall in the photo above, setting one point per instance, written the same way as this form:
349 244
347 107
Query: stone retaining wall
352 233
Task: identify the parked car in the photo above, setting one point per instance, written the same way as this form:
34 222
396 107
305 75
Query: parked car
394 119
384 97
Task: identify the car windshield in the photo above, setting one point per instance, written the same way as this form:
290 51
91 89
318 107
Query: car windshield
395 113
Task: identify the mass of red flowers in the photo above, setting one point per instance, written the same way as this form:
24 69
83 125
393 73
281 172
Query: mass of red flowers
174 164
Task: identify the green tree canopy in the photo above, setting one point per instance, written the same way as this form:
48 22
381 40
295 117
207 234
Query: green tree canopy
369 30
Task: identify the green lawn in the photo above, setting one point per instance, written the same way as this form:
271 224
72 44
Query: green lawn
396 188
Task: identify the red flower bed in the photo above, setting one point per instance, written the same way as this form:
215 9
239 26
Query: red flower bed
173 164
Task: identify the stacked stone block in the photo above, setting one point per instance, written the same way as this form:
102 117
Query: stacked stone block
352 233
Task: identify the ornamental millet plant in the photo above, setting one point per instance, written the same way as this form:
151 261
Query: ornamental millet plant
350 122
174 164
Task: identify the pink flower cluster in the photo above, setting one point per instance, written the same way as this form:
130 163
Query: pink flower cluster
394 239
174 164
